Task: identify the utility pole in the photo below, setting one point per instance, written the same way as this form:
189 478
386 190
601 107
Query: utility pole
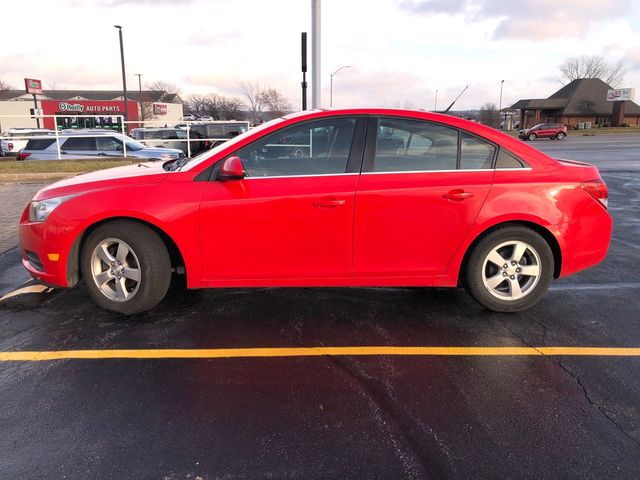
124 76
500 103
304 70
139 75
316 99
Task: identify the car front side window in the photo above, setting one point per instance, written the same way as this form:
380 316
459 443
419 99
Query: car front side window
320 147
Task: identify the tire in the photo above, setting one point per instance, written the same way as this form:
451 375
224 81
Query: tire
560 135
532 136
492 285
130 262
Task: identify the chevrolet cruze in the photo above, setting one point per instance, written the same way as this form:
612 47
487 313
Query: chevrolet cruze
359 197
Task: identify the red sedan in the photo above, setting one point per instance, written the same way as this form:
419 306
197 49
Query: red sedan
360 197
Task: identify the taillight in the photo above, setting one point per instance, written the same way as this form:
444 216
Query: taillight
23 156
598 190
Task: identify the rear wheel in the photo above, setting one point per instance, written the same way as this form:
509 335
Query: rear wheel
532 136
126 267
509 270
560 135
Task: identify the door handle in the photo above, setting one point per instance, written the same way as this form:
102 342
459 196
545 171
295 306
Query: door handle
457 195
328 203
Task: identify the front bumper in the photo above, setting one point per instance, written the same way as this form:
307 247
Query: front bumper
45 248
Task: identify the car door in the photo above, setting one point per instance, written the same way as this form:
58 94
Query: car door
421 188
291 217
109 147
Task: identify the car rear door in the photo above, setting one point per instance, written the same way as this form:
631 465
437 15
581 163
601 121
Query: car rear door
421 189
78 147
291 217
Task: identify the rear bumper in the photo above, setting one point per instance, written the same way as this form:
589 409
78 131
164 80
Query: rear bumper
584 243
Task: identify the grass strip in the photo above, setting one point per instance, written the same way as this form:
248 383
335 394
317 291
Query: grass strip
60 166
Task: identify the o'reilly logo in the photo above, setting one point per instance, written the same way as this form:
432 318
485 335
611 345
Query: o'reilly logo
70 107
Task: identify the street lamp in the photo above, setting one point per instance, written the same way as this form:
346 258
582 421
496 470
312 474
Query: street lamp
124 77
331 84
139 75
500 104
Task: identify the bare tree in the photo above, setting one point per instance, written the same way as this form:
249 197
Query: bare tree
275 102
252 94
592 66
162 86
197 104
5 86
489 115
220 107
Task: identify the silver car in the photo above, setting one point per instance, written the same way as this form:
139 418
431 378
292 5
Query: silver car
85 145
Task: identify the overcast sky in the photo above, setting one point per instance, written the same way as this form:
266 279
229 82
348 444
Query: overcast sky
400 51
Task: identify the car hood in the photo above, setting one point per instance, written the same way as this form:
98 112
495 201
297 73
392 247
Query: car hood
136 174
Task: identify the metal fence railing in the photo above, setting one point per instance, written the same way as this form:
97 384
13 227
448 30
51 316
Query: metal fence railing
118 125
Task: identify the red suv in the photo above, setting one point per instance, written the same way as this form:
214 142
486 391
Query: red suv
544 130
368 197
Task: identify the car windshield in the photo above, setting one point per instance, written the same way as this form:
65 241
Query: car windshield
209 153
540 125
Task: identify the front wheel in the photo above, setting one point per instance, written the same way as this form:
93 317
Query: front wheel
509 270
126 267
532 136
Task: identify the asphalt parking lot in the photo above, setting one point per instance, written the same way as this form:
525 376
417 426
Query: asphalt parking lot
300 412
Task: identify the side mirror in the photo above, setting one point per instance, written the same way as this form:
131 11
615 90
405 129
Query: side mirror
231 169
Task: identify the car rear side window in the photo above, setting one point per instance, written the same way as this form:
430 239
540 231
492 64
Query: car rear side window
79 143
508 160
405 145
39 143
321 147
475 154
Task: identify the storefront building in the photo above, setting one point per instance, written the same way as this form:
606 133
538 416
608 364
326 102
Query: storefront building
88 109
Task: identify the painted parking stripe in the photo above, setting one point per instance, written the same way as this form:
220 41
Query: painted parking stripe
35 356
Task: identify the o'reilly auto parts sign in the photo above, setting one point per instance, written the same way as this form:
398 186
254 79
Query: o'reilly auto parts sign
33 86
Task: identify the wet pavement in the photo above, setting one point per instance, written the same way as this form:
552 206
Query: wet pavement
346 416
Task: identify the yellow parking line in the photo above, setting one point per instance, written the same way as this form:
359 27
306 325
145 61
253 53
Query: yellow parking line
315 351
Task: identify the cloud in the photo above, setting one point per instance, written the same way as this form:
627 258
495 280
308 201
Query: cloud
527 19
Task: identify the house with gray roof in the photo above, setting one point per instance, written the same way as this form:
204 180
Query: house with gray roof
582 100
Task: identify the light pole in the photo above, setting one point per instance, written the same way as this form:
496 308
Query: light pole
435 102
331 84
500 103
139 75
124 76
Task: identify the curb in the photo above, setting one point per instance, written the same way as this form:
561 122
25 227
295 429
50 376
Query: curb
34 177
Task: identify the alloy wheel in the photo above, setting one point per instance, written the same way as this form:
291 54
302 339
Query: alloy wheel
511 270
115 270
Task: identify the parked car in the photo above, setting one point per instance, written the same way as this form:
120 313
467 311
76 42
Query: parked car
101 144
189 118
214 133
167 137
443 202
206 118
544 130
15 139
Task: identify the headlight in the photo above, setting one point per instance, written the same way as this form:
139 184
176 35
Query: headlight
39 210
